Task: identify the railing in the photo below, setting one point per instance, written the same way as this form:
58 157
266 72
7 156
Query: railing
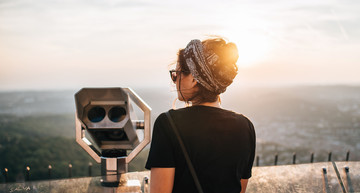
5 172
312 155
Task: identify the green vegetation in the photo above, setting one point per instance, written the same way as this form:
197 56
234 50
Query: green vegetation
39 141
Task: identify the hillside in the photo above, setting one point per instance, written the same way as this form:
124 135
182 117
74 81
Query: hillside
37 128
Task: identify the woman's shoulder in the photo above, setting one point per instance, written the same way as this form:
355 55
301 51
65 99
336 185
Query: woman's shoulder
160 117
204 110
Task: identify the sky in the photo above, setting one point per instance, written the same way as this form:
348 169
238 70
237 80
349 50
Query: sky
70 44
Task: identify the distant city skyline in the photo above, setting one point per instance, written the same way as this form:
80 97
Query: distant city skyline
65 44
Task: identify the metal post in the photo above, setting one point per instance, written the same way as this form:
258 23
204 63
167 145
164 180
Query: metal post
146 180
27 176
6 174
312 157
70 172
257 160
90 166
294 158
329 158
111 170
348 182
145 188
347 155
276 159
49 171
326 188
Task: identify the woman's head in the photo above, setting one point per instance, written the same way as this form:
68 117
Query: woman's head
211 64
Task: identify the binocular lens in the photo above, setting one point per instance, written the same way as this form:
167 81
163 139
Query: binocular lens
96 114
117 114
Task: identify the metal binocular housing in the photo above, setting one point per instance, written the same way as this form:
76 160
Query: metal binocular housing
107 116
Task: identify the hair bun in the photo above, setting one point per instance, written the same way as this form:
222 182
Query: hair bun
227 52
231 54
224 69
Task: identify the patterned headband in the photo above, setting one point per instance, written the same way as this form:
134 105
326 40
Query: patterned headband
202 66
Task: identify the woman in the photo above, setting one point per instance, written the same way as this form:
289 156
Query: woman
220 143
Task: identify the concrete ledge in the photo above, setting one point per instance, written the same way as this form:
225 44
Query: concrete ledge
317 177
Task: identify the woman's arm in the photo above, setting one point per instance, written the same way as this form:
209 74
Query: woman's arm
243 185
162 180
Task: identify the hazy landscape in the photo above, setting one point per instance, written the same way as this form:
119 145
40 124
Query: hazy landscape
37 127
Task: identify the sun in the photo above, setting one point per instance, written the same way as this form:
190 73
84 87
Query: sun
252 42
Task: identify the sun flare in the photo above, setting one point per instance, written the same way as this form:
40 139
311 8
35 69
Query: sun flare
252 48
251 40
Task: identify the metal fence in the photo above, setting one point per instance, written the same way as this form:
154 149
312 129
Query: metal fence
5 172
311 160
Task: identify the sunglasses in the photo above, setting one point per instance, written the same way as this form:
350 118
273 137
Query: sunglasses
174 74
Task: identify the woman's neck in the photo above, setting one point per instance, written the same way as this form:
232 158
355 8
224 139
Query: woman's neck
210 104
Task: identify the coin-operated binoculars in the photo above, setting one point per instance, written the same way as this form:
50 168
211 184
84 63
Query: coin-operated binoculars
107 115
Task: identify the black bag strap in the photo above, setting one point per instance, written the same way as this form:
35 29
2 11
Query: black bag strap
186 155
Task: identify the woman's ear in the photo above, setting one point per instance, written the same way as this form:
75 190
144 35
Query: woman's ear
193 82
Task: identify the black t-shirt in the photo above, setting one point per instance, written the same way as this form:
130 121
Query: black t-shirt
220 144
